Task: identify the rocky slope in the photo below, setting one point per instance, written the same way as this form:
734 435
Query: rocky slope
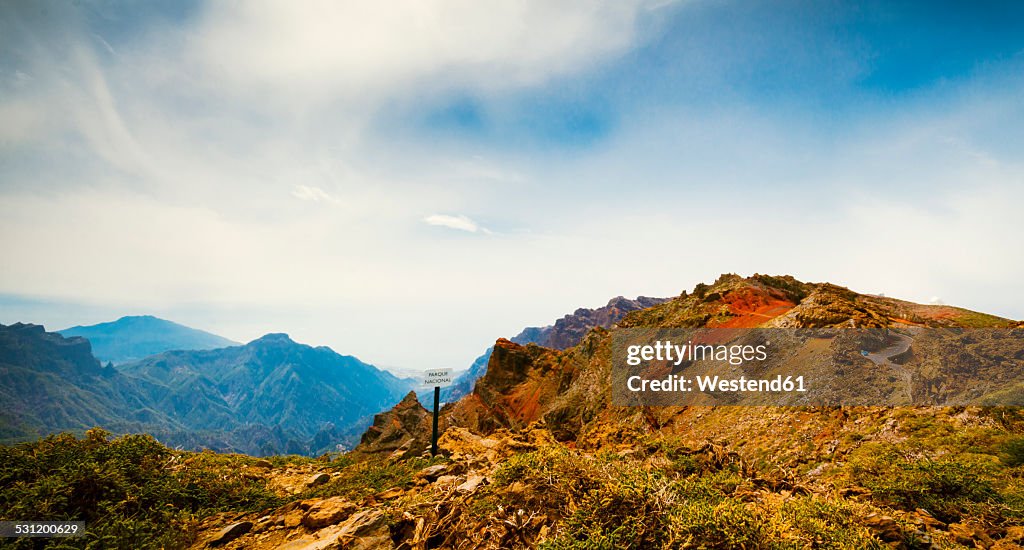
570 389
399 432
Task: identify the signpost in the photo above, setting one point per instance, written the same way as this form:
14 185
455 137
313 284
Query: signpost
436 378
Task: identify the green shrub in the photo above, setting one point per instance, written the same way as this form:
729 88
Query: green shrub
727 523
1013 452
131 492
358 480
824 523
947 488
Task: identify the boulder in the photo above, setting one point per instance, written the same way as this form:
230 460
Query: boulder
448 480
471 484
431 473
230 533
391 493
327 512
884 527
318 479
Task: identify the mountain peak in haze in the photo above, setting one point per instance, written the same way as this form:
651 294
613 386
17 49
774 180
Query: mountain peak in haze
133 337
273 338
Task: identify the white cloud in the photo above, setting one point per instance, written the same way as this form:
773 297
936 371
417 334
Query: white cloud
326 49
312 193
462 223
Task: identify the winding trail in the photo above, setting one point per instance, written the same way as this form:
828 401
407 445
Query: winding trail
902 344
882 358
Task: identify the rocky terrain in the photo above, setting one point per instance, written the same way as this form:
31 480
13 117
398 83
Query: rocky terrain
564 333
538 457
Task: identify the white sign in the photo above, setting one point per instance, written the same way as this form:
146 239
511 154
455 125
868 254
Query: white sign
437 377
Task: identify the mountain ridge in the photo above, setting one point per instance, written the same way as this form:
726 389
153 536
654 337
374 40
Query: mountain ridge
270 396
133 337
569 389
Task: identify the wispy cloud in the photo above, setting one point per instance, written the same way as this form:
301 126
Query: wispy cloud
312 193
329 49
461 223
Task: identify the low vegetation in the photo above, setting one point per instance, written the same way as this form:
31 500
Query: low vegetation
655 492
131 492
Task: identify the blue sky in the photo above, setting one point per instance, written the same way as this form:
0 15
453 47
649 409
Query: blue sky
444 173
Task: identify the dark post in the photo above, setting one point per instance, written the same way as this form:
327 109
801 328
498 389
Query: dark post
433 440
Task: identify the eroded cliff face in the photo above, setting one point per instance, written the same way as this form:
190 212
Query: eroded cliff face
402 432
519 386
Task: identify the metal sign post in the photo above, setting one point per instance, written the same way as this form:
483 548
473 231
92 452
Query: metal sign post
436 378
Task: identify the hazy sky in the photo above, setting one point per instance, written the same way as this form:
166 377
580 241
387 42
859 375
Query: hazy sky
407 181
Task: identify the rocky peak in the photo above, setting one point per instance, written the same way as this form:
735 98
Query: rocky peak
29 344
569 330
272 339
403 431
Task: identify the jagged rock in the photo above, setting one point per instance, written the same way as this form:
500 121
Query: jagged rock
460 442
884 527
328 512
1014 533
926 519
365 530
389 494
293 519
471 484
230 533
318 479
969 535
1012 539
448 480
431 473
297 544
563 334
402 432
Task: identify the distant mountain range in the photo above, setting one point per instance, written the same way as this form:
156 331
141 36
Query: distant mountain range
133 338
269 396
50 383
312 396
563 334
195 389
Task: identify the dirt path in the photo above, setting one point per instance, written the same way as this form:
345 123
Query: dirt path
902 344
881 357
